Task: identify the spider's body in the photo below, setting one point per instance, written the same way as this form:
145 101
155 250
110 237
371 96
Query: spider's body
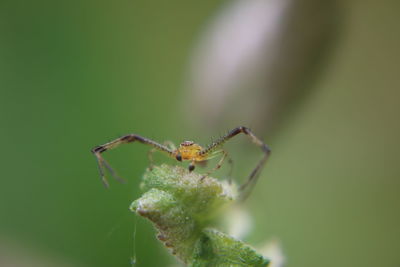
187 151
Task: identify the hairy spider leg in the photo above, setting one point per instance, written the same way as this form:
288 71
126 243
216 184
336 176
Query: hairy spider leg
252 179
98 150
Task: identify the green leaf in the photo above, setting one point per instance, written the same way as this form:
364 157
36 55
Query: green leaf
182 206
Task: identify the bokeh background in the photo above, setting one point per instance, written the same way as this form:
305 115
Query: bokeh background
318 81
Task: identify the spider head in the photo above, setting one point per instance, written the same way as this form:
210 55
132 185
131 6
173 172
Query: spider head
188 150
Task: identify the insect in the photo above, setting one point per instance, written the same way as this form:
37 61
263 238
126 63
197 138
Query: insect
187 151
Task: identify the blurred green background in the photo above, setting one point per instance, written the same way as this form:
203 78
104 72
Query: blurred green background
75 74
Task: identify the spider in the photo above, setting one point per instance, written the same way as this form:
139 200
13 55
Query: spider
187 151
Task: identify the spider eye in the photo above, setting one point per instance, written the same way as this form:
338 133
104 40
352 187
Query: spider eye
187 143
178 157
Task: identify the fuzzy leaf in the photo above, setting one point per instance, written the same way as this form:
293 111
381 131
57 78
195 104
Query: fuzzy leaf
182 207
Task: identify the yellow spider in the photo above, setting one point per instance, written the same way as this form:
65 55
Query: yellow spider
189 151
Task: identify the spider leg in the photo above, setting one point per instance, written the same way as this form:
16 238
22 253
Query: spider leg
168 144
219 164
102 163
246 187
113 173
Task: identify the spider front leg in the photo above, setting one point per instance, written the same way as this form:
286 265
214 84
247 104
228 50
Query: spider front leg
247 186
102 163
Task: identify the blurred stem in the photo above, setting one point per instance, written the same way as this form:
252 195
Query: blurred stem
182 206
